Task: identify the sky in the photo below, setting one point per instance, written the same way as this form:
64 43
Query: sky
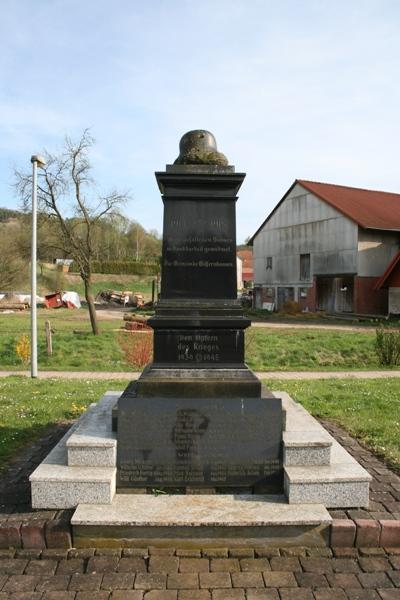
290 89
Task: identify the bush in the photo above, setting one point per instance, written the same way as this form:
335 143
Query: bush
137 347
387 346
290 307
122 267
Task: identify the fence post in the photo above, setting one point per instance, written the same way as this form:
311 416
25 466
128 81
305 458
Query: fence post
49 339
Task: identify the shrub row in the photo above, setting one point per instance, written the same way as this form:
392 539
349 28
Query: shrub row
122 267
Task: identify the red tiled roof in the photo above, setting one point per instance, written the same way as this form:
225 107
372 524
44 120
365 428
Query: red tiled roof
369 208
389 269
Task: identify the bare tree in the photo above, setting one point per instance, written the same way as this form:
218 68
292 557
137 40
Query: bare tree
66 192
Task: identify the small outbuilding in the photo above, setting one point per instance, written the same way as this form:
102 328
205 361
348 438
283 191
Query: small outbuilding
330 247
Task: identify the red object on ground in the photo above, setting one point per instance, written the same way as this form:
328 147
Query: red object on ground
53 300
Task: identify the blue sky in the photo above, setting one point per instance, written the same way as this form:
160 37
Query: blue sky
290 88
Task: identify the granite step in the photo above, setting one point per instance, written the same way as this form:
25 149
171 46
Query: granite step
301 448
206 519
93 443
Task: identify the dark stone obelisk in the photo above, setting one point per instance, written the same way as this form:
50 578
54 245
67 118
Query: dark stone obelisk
197 416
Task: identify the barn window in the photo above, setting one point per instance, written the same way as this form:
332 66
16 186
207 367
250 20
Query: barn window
304 267
268 263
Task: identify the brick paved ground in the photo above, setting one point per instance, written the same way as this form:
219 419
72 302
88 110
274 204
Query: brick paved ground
219 574
22 527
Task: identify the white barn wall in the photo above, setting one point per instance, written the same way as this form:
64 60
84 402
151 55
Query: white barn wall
304 224
375 251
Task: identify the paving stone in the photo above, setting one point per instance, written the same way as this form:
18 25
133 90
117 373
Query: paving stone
188 553
321 552
266 552
298 594
368 533
345 552
316 565
278 579
93 595
194 595
80 552
285 564
371 551
57 553
311 580
85 583
390 533
215 552
135 552
392 550
21 583
374 580
394 577
156 551
54 583
127 595
163 564
102 564
71 566
183 581
241 552
3 579
215 580
132 565
343 580
7 553
194 565
118 581
13 566
228 594
32 534
161 595
265 594
394 561
58 534
59 595
29 553
25 596
372 565
108 552
224 564
362 594
332 594
247 580
41 567
389 594
346 565
150 581
10 534
255 564
293 551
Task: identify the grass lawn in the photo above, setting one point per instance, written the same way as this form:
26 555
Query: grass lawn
266 349
369 409
28 407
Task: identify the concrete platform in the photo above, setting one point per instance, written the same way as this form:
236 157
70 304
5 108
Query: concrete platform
209 520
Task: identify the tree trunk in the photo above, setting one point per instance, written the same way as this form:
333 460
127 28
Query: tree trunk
90 302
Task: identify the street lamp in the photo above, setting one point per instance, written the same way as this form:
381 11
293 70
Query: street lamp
37 161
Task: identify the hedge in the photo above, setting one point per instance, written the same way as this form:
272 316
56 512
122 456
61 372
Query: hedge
122 267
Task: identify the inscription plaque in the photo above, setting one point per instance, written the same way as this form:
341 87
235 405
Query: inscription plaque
199 249
216 442
199 346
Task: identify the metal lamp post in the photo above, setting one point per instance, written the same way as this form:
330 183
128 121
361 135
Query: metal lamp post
37 161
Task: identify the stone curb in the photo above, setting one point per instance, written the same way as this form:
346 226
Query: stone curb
56 533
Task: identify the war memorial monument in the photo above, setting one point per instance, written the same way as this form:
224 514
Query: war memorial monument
196 448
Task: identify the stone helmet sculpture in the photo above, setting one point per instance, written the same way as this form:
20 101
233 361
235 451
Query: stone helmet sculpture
199 147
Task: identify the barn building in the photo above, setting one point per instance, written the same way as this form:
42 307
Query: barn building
330 247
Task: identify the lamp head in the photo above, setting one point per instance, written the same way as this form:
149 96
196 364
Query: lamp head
39 160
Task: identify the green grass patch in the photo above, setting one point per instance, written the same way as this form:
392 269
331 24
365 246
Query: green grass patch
368 409
310 349
28 407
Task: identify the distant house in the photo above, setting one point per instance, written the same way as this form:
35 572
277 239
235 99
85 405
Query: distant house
330 247
246 256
